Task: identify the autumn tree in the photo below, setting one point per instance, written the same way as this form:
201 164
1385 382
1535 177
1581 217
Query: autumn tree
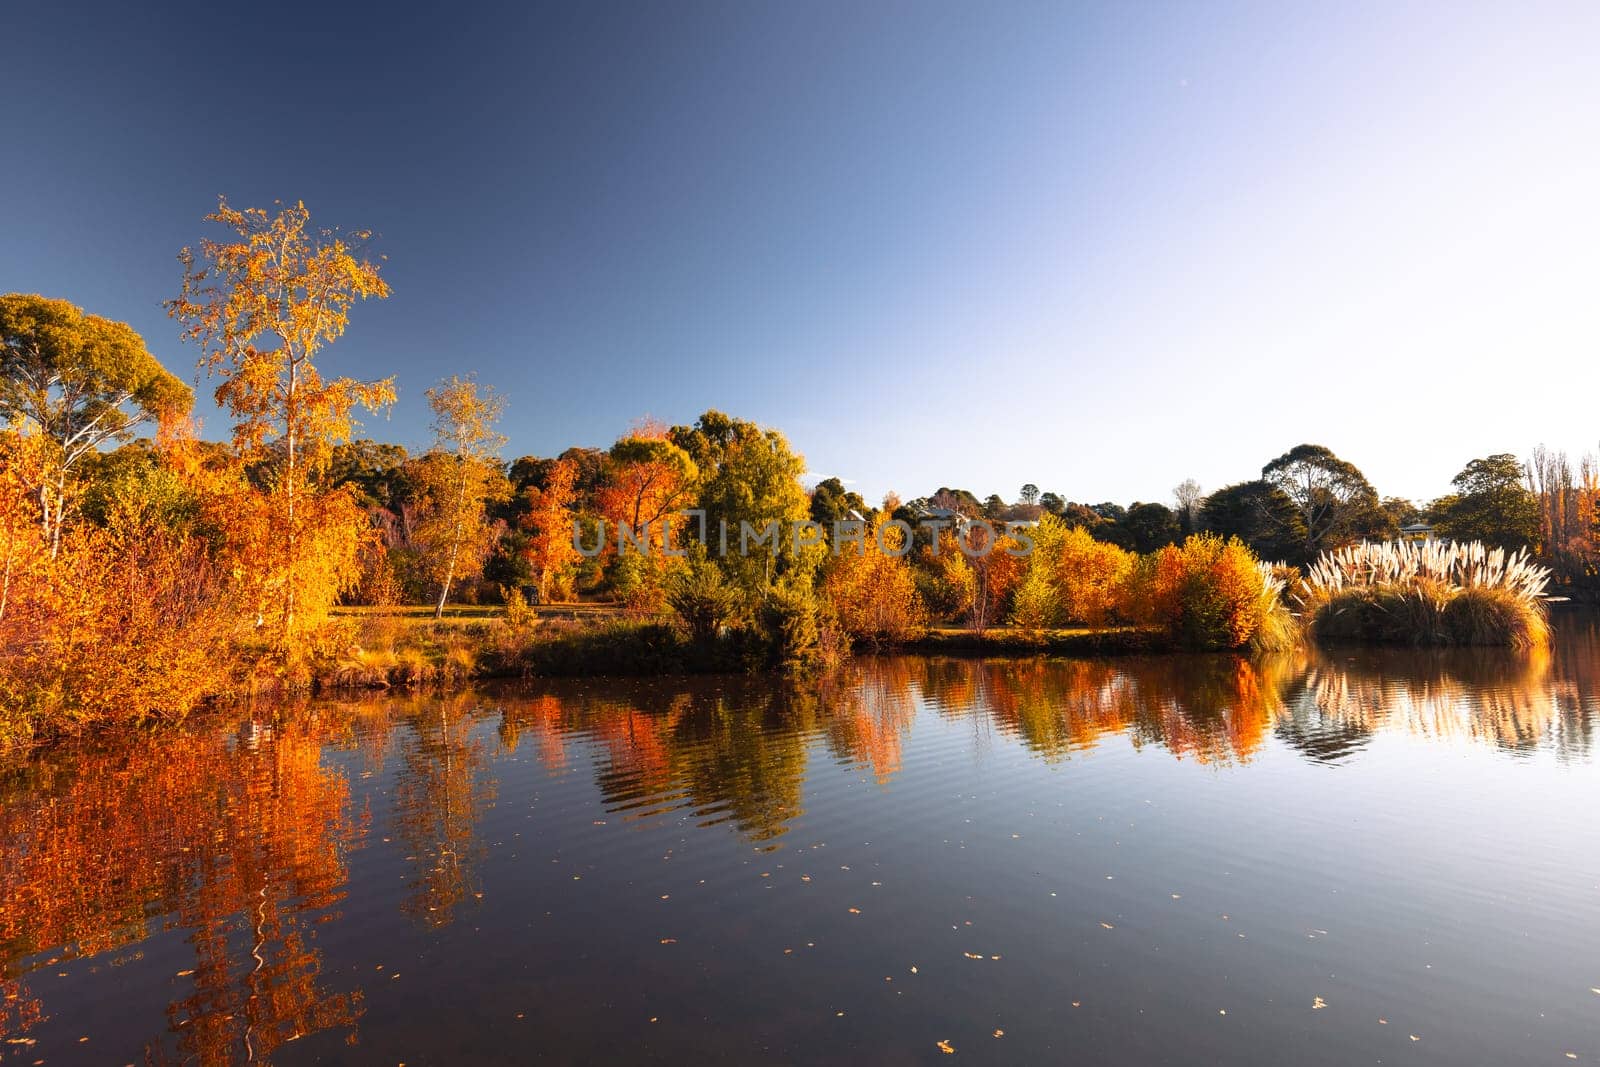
872 591
78 381
646 479
1071 578
548 522
1568 494
461 472
262 305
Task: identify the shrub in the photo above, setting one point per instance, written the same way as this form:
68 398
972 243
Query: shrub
873 596
702 597
791 625
1070 578
1209 593
115 631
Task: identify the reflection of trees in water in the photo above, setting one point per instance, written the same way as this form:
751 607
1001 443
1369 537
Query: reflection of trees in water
1206 707
868 714
242 837
439 800
731 748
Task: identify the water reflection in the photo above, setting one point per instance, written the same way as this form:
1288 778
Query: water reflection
442 794
241 838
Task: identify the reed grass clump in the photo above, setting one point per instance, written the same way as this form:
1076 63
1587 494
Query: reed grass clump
1427 593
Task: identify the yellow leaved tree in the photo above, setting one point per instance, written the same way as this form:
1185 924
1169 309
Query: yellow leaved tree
459 476
262 304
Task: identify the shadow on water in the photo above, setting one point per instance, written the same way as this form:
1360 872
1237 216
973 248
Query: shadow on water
239 840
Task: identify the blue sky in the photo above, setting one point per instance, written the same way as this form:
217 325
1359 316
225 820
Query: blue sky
1099 248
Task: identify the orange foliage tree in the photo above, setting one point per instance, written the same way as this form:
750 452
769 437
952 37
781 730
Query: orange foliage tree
261 307
132 619
549 524
647 480
872 592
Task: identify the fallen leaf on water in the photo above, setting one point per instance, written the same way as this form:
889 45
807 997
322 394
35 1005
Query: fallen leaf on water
999 1033
1077 1003
913 968
185 974
1414 1037
1222 1011
972 956
1108 926
669 941
947 1048
1318 1003
855 911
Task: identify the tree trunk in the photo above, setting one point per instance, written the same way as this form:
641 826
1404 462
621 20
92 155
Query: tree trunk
455 536
449 576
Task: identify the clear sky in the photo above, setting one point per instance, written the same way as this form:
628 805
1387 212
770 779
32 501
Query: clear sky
1099 248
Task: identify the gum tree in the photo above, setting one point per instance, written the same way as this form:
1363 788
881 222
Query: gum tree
77 381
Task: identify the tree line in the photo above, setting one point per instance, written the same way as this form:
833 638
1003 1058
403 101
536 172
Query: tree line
135 557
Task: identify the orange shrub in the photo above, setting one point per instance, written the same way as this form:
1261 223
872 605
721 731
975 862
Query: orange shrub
1208 593
1071 578
873 594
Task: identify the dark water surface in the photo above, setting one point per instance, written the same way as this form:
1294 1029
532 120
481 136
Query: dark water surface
1358 858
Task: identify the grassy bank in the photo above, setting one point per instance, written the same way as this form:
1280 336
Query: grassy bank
410 648
1014 641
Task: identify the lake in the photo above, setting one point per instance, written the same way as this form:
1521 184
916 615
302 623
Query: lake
1357 856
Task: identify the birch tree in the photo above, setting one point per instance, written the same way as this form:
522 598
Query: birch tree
462 472
262 304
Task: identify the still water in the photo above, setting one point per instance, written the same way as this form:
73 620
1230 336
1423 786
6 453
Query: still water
1353 858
